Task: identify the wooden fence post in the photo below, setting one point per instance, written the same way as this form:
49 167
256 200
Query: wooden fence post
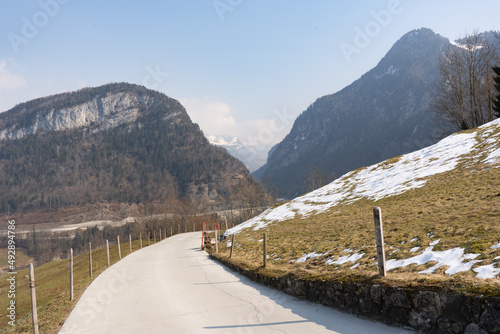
71 274
232 245
203 236
107 251
34 314
154 236
171 230
140 238
90 259
130 242
216 242
149 239
119 249
264 248
160 234
377 214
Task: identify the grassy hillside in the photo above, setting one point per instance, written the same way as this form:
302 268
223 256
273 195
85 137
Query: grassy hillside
441 213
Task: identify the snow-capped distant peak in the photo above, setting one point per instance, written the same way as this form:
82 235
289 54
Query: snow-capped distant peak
224 140
252 156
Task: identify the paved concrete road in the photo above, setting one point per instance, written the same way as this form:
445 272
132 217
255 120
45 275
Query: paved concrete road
173 287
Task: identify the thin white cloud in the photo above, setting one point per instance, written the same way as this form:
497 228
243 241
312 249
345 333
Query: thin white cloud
262 132
259 136
9 80
214 117
81 84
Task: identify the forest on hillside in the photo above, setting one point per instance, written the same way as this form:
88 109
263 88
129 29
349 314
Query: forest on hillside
155 158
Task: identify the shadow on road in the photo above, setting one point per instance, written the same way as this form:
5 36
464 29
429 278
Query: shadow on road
330 318
258 325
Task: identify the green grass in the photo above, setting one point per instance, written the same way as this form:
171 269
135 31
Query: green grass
52 289
460 207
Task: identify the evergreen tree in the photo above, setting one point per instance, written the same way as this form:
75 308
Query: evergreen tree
496 80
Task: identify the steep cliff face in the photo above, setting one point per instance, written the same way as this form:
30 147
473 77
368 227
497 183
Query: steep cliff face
114 143
100 113
381 115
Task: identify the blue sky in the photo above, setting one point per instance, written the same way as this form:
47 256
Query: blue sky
240 67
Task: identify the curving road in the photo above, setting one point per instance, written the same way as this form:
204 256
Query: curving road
173 287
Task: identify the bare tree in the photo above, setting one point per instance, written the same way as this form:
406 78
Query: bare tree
464 93
317 177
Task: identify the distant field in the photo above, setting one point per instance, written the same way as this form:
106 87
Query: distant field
444 234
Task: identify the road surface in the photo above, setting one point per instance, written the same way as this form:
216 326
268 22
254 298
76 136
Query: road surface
173 287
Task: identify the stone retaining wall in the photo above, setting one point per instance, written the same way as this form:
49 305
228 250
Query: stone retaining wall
424 311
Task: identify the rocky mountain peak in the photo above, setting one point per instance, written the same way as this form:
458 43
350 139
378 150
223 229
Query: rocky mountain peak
98 109
382 114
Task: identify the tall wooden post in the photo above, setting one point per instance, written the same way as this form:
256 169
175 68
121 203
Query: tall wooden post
149 239
203 236
216 242
377 214
119 248
140 238
71 274
232 246
90 259
160 234
107 251
154 236
130 242
171 230
34 314
264 248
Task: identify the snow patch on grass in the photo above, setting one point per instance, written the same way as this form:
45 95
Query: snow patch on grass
309 256
496 246
344 259
355 266
435 242
453 258
488 271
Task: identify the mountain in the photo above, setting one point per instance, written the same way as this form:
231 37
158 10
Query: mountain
118 143
382 114
249 155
